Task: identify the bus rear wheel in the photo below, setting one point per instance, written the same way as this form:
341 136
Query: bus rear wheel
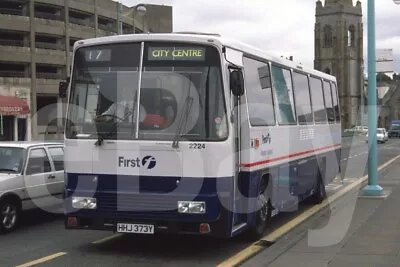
320 193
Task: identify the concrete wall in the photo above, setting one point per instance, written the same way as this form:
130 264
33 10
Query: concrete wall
159 18
14 23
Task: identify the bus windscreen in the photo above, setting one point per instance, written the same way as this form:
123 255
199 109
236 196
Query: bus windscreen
108 81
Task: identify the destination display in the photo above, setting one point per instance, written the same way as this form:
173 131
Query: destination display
176 53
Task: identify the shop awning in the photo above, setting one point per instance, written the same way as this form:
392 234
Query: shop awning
12 105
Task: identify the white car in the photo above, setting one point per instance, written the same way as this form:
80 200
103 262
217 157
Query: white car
31 176
382 135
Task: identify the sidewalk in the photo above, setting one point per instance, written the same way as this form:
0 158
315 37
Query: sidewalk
361 232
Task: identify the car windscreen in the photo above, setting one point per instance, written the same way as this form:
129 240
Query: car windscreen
11 159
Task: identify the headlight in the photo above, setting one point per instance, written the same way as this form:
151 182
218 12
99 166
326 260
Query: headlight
84 203
191 207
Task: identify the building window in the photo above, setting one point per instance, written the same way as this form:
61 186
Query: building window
351 36
327 36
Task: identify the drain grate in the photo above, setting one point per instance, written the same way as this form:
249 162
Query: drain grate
264 243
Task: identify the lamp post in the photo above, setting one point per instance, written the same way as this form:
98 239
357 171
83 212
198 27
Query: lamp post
372 189
362 95
119 15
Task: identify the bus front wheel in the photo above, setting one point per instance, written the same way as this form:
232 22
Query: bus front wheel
263 211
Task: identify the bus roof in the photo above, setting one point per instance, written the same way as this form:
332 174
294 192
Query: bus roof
204 38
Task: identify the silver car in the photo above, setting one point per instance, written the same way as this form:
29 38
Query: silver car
381 135
31 176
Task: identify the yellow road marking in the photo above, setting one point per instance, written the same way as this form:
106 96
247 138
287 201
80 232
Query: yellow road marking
272 237
108 238
41 260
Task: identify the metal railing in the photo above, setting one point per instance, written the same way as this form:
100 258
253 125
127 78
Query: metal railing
44 75
19 43
107 28
10 11
81 22
50 16
52 46
16 74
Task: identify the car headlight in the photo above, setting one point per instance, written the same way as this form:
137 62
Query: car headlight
84 203
191 207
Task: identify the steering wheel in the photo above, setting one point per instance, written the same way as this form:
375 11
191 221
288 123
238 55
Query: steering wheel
98 117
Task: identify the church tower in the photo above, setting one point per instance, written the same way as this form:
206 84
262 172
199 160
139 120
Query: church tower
339 52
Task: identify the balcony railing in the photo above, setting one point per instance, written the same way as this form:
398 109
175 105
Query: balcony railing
108 28
52 46
81 22
10 11
17 74
19 43
44 15
44 75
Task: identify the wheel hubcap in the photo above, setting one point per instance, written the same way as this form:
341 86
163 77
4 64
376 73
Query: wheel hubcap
9 214
263 208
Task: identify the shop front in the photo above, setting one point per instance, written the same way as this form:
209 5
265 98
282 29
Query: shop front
13 118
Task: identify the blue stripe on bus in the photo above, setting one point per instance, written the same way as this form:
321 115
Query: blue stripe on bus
146 197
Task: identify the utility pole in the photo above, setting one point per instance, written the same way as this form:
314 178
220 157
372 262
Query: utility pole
372 189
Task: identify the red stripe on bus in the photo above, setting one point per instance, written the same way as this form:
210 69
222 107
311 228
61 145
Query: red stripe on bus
248 165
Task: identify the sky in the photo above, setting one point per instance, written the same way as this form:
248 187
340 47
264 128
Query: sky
281 28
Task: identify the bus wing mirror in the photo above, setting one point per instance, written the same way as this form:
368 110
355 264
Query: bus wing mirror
236 82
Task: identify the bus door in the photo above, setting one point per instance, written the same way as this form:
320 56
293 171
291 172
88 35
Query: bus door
239 218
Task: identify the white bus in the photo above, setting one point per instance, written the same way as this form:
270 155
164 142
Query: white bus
227 135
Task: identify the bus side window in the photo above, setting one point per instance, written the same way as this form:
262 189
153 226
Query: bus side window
302 98
335 101
317 98
328 102
282 84
259 93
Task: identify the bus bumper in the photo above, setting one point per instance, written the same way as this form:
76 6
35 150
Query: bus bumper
218 228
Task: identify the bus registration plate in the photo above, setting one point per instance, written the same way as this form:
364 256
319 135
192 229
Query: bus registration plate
135 228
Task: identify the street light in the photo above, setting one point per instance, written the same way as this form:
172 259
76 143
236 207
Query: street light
139 9
372 189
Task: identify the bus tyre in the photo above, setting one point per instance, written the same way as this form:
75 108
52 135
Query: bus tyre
320 193
9 215
263 212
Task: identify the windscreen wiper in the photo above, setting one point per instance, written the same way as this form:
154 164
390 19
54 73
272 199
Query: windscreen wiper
182 123
113 130
7 170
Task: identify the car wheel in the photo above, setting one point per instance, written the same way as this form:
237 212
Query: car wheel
9 215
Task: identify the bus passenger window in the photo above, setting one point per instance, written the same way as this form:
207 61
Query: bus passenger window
259 93
302 97
328 102
317 97
335 102
282 84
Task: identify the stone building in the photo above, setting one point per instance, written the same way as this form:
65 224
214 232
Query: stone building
339 51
